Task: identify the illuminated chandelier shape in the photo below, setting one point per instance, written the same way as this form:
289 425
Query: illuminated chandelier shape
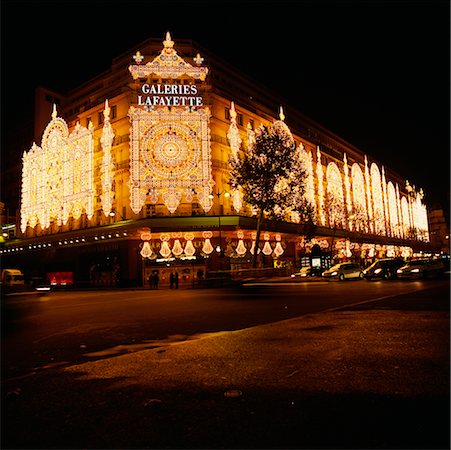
165 251
177 248
189 247
107 170
267 249
207 248
278 249
240 248
252 249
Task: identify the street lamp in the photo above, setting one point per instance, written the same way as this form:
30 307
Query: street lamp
221 211
113 213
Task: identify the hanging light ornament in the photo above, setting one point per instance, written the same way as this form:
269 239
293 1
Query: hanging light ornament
146 251
240 248
267 249
207 247
252 249
177 248
189 247
146 236
278 249
165 251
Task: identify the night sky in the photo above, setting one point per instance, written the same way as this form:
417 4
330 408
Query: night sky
376 73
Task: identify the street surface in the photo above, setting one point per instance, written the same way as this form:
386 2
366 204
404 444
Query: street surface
271 365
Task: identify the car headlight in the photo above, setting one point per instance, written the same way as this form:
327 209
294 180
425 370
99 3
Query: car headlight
415 270
334 273
399 271
293 275
303 274
378 270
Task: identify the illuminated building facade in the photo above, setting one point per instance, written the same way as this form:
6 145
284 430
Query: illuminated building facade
131 176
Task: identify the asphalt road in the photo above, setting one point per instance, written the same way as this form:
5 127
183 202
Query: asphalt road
41 331
314 365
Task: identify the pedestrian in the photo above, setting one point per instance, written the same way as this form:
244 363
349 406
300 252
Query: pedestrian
176 279
150 280
156 279
171 279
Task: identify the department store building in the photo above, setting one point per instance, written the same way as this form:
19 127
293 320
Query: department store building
129 174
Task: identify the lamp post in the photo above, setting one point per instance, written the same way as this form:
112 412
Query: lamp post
218 194
113 214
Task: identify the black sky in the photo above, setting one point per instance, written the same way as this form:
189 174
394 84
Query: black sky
377 73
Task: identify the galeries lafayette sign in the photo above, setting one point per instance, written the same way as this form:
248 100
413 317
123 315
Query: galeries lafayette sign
169 95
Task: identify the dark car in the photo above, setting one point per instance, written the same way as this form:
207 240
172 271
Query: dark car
385 269
421 268
308 271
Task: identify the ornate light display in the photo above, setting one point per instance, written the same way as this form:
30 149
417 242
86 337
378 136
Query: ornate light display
267 249
57 178
107 170
335 203
168 64
189 247
170 155
278 249
358 198
234 138
306 158
207 248
240 248
320 180
378 203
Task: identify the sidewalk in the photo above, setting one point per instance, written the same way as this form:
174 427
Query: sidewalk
353 378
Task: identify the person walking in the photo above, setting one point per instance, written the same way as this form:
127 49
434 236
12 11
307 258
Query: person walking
171 279
156 279
176 279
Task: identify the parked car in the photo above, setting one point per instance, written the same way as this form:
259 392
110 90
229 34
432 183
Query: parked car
308 271
383 269
344 271
421 268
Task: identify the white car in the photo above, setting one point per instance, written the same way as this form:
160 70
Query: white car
344 271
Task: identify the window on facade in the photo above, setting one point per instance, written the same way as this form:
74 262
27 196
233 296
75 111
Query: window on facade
100 117
227 113
240 119
113 112
251 123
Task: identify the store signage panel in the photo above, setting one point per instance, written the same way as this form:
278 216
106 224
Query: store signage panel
170 95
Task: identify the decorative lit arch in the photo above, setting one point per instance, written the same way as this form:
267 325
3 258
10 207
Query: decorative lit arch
393 210
405 217
335 199
306 158
378 205
359 198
